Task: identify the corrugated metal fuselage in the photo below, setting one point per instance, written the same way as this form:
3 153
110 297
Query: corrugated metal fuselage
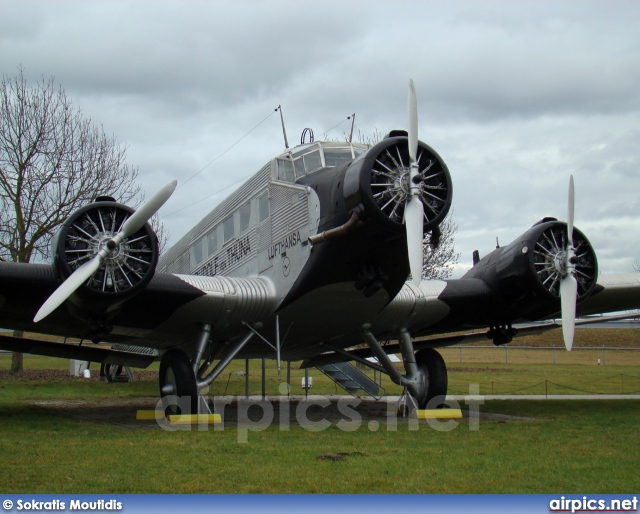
316 298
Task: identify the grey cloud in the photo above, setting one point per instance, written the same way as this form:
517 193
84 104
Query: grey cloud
514 96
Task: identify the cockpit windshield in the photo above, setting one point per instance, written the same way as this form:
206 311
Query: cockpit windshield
338 156
311 158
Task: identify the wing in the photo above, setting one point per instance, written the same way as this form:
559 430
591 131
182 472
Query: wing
168 312
472 304
440 310
618 292
438 307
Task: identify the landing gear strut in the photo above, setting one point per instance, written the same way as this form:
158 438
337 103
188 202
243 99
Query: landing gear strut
181 379
426 372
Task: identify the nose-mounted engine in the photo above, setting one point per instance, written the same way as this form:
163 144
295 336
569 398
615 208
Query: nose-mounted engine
127 268
380 181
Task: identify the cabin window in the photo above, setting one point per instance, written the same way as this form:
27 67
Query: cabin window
227 227
212 241
196 252
245 217
263 207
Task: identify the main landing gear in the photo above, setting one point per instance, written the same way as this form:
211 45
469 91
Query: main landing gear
432 372
426 373
182 379
178 386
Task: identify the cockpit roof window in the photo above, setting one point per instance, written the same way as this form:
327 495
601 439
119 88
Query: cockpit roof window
311 157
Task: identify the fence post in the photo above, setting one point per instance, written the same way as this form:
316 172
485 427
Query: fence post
604 356
460 354
554 354
246 378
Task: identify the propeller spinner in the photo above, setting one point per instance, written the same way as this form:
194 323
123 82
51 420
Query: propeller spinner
85 272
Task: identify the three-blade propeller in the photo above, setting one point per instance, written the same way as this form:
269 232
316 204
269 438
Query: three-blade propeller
80 276
569 284
414 210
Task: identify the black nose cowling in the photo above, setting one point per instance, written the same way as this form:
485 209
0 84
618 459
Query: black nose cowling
379 180
129 265
526 274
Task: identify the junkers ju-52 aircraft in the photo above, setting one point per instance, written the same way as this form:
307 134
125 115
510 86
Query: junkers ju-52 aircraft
307 261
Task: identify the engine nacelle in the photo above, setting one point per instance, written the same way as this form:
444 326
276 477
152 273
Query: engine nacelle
379 181
124 272
527 273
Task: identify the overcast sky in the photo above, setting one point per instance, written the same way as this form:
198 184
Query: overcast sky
515 96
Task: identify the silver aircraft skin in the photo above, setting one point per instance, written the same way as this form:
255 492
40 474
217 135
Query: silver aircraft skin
305 261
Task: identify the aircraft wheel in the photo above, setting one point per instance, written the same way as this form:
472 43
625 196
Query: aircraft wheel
114 373
178 387
433 375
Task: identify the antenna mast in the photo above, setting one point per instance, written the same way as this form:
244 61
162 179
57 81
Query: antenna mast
284 132
353 121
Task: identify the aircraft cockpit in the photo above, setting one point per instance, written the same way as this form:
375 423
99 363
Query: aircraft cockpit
311 157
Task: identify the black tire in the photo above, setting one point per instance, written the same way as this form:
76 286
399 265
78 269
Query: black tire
113 373
434 381
176 371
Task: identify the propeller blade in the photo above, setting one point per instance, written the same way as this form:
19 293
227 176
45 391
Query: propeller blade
148 209
569 284
413 215
134 223
68 287
570 211
568 291
413 124
414 210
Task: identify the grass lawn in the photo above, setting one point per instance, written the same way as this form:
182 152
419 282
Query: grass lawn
570 447
563 447
567 446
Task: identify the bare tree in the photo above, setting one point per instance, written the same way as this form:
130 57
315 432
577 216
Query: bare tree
52 161
439 255
364 139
